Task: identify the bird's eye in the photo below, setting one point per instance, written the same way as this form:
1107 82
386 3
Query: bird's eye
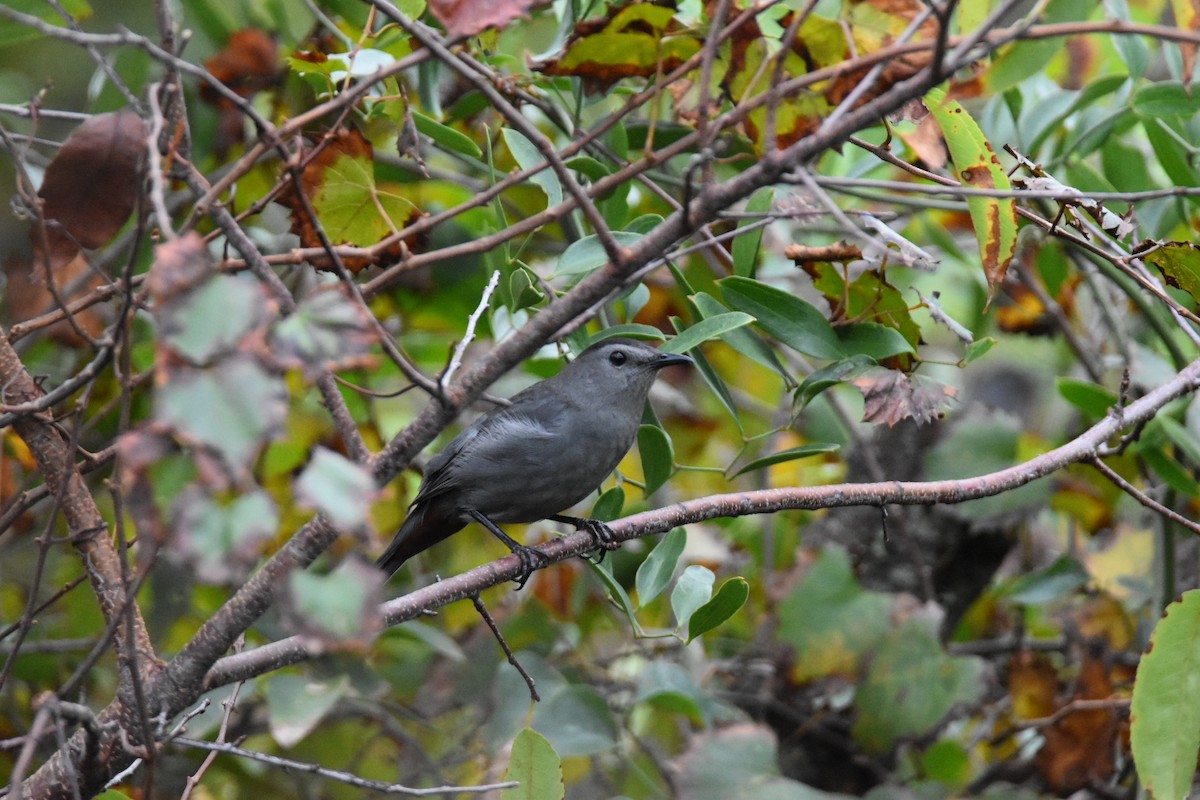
617 358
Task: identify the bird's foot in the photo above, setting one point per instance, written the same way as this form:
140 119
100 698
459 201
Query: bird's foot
531 560
602 536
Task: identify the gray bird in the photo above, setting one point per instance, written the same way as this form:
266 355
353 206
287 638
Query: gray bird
557 441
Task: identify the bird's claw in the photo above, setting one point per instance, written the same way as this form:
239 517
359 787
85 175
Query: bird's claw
531 560
603 537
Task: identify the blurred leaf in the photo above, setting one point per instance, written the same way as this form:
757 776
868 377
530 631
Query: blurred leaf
791 454
340 609
745 246
212 318
705 329
338 488
1050 583
1165 99
789 319
577 722
296 705
658 456
1165 719
911 656
233 407
656 571
738 761
831 621
588 167
692 590
221 541
667 685
12 33
537 768
728 600
528 157
326 331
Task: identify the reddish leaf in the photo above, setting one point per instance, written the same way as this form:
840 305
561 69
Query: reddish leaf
892 396
469 17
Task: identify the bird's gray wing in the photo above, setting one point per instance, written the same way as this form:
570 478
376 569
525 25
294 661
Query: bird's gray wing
489 440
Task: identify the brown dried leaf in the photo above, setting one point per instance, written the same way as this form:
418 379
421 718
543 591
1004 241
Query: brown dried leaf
247 64
891 396
91 186
1079 747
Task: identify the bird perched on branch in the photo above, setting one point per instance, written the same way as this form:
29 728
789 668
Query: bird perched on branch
528 461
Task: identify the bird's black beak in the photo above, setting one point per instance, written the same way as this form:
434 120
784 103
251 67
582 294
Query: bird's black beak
670 359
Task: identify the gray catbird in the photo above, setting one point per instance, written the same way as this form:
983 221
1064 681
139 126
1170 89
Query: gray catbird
556 442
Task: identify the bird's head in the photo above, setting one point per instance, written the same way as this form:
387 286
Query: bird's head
622 366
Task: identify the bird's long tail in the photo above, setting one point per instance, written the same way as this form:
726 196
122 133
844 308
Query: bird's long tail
424 527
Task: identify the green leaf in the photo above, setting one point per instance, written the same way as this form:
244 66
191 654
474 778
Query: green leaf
888 708
1179 263
446 137
338 488
587 254
873 339
658 456
745 246
1165 99
728 600
523 290
705 329
528 157
791 454
977 349
656 571
1090 398
610 504
588 167
536 767
1181 437
616 593
633 330
1165 730
711 377
12 33
796 323
668 686
296 704
692 590
994 219
744 340
832 375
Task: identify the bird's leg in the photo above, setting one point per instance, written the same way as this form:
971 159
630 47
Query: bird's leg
531 558
602 535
